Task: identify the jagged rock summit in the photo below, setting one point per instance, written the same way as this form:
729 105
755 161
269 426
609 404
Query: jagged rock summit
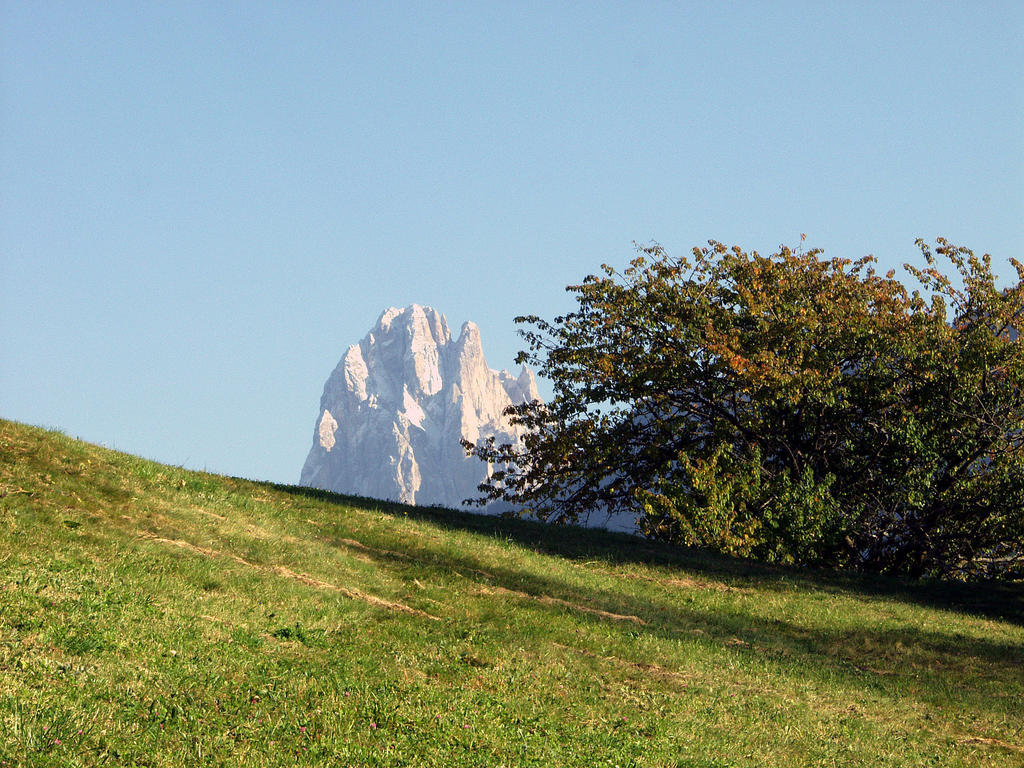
394 409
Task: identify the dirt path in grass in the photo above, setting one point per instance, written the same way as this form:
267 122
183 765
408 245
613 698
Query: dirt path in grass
548 600
681 582
281 570
650 669
993 743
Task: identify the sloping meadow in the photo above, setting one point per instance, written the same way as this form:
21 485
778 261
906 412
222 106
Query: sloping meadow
155 616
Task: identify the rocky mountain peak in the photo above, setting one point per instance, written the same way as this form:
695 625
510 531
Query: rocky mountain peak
396 406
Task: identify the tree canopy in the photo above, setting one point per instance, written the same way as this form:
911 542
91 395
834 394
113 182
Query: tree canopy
792 408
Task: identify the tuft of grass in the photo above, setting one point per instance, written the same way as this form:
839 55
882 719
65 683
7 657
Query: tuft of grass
154 616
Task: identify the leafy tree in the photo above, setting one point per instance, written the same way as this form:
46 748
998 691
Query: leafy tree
788 407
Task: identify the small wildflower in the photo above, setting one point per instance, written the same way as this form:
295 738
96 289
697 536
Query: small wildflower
466 727
56 741
373 726
302 728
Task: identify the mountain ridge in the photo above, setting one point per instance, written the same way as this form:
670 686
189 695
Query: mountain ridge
395 408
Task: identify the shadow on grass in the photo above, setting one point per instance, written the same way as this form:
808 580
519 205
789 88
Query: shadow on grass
929 663
990 599
864 657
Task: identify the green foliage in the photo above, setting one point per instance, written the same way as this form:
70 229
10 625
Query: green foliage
716 507
295 632
734 509
786 407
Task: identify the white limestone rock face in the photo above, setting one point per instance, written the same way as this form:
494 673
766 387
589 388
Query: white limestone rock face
394 409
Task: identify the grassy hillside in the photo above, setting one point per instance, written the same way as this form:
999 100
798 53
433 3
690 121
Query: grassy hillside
152 616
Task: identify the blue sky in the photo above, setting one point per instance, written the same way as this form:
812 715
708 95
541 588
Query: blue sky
202 205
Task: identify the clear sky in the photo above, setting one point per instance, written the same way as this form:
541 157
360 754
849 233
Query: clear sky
202 205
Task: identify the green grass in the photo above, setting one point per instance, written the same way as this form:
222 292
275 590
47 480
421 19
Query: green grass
152 616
